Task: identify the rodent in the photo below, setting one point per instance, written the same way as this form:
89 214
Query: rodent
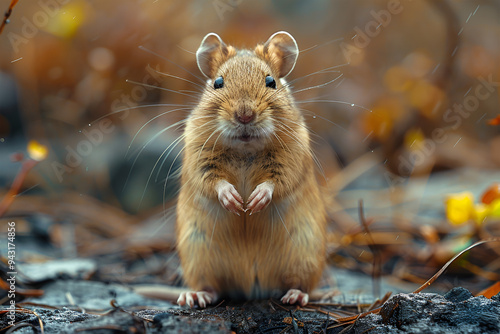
251 213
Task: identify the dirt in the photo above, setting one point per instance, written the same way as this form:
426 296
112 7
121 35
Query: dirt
73 306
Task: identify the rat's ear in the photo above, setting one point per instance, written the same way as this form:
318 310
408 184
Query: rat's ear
282 51
211 54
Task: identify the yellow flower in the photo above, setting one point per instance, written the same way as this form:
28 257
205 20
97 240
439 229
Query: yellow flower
67 19
37 151
494 209
414 139
459 208
481 212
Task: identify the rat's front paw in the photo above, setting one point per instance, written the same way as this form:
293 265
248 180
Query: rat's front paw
202 298
260 197
229 197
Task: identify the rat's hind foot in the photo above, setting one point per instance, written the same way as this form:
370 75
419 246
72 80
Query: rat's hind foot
295 296
202 298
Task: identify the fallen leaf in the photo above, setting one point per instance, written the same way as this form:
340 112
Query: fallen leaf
494 121
490 291
491 194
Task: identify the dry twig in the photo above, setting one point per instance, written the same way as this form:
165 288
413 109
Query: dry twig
7 14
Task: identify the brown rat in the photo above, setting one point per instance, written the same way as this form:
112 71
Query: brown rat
251 217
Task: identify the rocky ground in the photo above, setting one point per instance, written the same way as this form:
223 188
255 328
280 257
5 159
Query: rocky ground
74 306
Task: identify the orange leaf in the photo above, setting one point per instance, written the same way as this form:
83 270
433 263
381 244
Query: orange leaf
490 291
491 194
494 121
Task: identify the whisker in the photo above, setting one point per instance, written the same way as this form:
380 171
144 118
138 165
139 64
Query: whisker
193 92
170 149
177 141
190 52
165 158
202 87
174 143
199 135
321 45
170 61
158 87
139 107
291 132
311 132
289 83
165 220
139 150
177 77
313 115
206 141
283 222
322 71
152 119
215 143
318 86
281 142
159 133
271 237
168 173
334 101
213 229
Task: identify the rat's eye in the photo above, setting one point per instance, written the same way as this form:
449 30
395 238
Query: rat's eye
270 82
219 83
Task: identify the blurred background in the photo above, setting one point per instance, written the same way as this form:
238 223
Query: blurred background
401 92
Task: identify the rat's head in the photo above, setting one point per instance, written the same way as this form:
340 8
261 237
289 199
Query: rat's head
246 91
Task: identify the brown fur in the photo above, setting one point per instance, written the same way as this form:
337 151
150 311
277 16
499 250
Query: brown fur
279 248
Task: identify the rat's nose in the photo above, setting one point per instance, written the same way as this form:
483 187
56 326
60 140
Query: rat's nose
245 118
244 111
